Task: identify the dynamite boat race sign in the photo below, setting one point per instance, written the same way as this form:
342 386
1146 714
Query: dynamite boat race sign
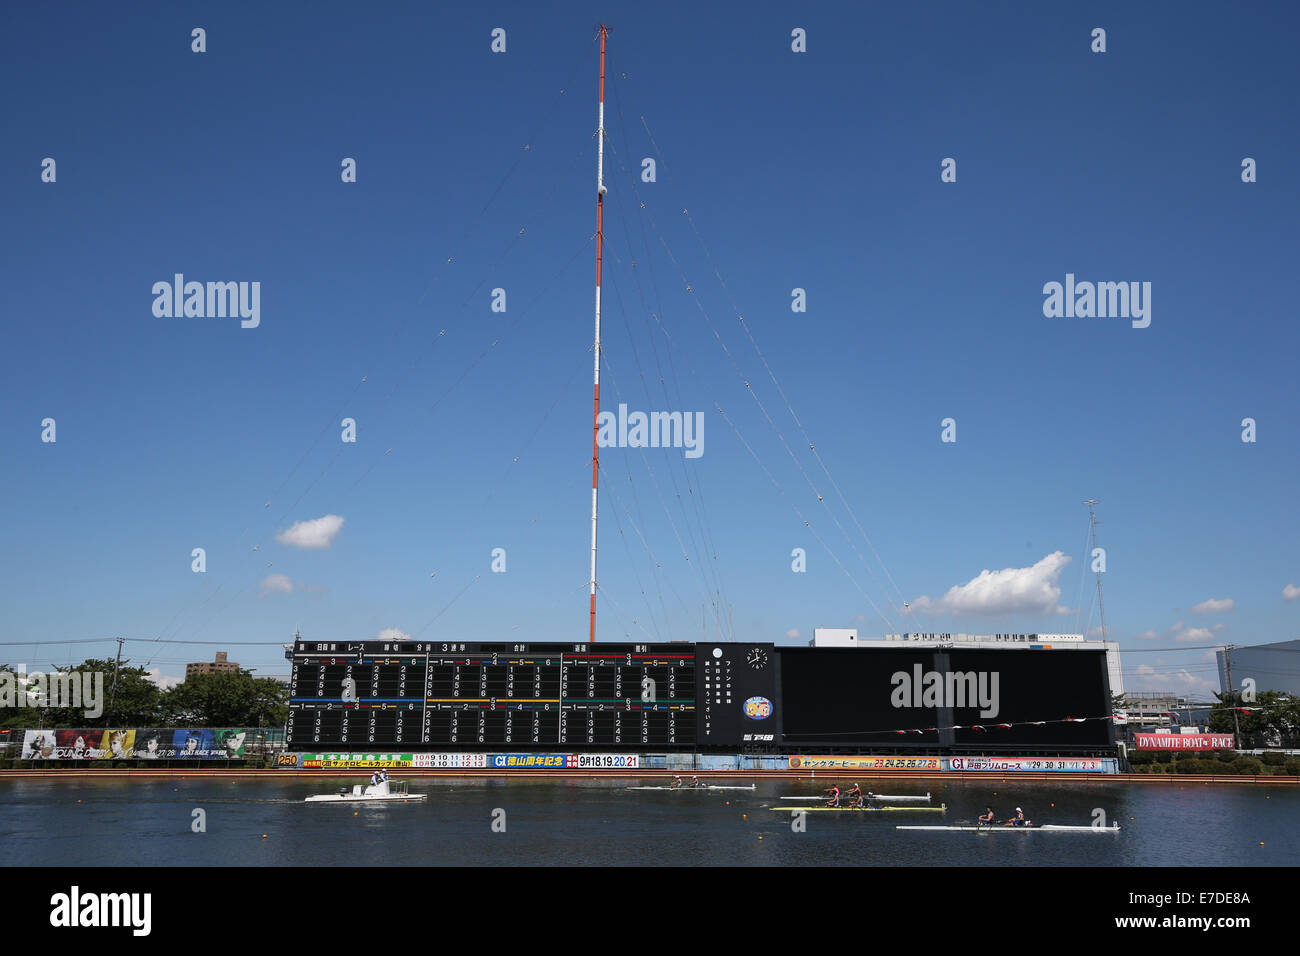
1186 742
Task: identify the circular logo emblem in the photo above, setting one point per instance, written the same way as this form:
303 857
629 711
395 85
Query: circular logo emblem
758 708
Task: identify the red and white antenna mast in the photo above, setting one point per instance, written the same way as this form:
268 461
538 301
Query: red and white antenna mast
600 240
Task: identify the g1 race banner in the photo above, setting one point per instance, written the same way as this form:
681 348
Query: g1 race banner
165 743
1027 764
1186 742
564 761
865 763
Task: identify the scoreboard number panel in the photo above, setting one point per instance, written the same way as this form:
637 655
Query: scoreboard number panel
448 696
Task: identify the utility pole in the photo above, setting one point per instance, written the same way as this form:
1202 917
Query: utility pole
112 698
1092 524
1232 691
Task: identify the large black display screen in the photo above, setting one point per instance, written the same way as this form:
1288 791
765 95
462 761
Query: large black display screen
841 697
1043 694
984 699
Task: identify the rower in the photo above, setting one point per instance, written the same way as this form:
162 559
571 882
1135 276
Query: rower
695 782
856 797
677 783
834 794
987 817
1018 820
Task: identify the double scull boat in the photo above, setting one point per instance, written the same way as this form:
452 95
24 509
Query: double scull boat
1003 828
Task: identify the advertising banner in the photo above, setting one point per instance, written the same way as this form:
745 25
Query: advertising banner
356 761
865 763
452 761
166 743
1027 764
1186 742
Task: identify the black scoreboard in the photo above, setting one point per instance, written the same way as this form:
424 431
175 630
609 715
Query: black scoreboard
459 696
725 697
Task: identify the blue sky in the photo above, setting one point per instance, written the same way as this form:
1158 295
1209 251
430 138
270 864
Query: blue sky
816 170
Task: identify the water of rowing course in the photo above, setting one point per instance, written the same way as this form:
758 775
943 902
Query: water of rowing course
586 821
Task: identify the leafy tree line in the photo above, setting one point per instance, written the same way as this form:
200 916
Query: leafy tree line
225 699
1273 719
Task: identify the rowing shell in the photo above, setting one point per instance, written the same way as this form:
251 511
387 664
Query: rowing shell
873 796
710 787
998 829
938 809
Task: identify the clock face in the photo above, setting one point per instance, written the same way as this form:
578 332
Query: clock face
756 658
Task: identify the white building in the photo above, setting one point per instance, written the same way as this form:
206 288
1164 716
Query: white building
848 637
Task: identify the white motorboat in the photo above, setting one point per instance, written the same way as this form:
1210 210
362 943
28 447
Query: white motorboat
388 791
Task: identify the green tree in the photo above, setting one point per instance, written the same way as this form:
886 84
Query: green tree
1274 714
16 714
132 700
135 701
230 698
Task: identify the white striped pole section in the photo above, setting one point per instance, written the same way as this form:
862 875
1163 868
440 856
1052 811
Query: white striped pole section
600 239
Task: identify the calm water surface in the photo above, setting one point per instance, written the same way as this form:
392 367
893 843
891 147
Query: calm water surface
581 821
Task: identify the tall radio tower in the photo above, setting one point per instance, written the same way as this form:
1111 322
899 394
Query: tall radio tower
1092 523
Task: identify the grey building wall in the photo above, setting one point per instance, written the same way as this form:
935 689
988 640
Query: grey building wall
1272 666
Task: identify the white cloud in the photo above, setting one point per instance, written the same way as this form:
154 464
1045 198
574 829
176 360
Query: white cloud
1181 680
1009 591
793 633
1181 632
1148 635
1214 605
314 535
392 634
1290 592
277 584
162 680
